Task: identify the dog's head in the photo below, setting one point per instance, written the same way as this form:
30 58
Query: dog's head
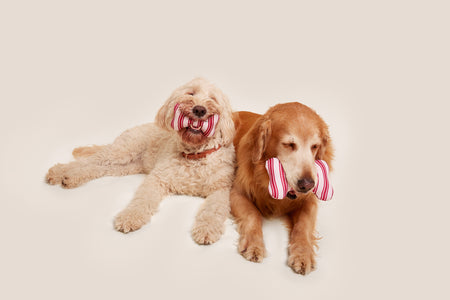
297 136
199 101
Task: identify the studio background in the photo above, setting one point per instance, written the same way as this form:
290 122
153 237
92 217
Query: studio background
74 73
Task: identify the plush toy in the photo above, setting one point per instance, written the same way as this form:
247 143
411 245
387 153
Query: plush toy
180 121
279 187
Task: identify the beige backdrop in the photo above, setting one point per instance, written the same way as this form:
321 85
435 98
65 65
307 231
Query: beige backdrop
80 72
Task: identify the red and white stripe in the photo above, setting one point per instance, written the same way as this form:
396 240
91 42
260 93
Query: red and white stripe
278 186
323 189
180 121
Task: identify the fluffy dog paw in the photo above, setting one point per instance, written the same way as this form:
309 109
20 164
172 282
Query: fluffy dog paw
207 233
302 263
252 250
54 174
68 177
130 219
70 182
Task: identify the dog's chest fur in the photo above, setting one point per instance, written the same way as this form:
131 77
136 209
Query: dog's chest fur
199 177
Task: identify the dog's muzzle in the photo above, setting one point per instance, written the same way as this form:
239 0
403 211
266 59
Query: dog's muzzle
279 187
206 127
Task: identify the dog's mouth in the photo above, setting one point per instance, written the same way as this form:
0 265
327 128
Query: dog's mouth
195 129
192 136
291 195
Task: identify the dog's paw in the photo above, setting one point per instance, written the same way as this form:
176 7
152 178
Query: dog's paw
70 181
252 250
302 263
207 233
65 175
55 174
130 219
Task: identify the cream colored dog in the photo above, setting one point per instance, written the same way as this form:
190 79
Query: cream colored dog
183 161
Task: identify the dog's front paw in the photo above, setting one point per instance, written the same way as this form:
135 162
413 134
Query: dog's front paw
302 263
130 219
205 233
66 175
55 174
252 250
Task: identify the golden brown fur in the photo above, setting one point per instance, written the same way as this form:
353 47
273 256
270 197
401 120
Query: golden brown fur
297 136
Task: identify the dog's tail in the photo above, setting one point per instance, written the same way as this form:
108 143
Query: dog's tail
86 151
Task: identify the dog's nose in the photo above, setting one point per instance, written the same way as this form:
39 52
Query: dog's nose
199 111
305 184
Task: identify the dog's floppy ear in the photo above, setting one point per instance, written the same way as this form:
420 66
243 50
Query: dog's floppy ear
161 118
326 149
263 130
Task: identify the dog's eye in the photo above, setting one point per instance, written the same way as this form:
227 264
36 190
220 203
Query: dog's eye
190 93
314 147
291 146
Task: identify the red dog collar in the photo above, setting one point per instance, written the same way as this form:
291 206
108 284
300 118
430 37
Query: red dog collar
199 155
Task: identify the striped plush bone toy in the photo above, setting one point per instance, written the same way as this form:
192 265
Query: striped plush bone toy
180 120
279 187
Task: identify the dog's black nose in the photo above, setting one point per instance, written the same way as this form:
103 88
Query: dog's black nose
199 111
305 184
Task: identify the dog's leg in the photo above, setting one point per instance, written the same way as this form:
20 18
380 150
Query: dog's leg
76 173
86 151
122 157
249 224
144 204
209 222
126 148
302 238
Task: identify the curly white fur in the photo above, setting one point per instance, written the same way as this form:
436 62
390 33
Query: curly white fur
156 149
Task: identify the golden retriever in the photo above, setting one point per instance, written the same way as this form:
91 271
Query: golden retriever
297 136
178 158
